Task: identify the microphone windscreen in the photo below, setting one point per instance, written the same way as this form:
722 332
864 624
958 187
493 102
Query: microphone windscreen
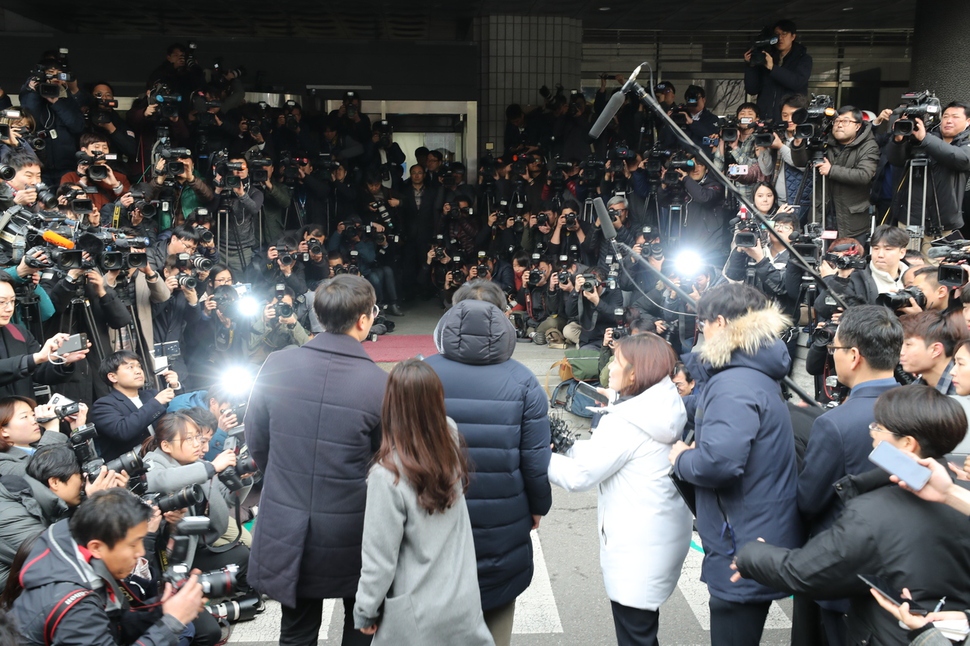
609 111
606 224
57 239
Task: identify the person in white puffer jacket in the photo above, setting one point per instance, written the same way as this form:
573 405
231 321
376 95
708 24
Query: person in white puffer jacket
644 525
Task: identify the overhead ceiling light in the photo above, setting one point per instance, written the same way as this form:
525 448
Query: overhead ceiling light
847 8
604 8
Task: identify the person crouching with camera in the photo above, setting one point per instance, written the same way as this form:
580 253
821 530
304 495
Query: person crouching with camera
25 426
175 465
277 328
74 573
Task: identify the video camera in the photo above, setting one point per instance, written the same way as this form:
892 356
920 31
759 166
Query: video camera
166 99
815 121
900 298
920 105
232 477
747 231
761 47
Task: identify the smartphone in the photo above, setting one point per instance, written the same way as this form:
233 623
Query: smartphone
883 588
895 462
74 343
592 393
738 169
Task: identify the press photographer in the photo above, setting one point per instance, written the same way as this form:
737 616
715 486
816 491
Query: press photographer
702 225
571 236
173 456
738 151
25 426
944 152
94 171
103 116
49 94
177 187
49 488
124 417
26 183
777 65
851 156
235 194
277 328
589 309
110 526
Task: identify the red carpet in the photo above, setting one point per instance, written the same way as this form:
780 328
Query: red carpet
392 347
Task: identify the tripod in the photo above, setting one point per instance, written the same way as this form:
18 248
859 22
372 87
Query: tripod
79 301
919 165
125 288
811 172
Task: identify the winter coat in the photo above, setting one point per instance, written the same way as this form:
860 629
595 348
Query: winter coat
849 180
165 475
92 608
18 372
502 413
644 525
790 76
744 467
886 532
420 566
27 507
949 167
13 461
121 426
312 425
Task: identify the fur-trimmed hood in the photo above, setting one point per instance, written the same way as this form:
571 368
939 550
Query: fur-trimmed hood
753 340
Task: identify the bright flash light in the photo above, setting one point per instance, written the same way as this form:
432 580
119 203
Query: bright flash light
248 306
688 263
237 381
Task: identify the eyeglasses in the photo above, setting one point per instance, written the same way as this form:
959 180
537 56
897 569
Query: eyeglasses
8 302
701 325
842 122
196 440
832 348
876 427
375 312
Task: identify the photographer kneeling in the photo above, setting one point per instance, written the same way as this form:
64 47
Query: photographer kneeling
49 489
174 460
83 587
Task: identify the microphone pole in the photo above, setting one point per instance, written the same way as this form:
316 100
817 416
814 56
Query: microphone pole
651 103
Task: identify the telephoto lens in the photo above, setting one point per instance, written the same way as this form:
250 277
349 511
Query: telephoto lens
187 282
201 263
243 609
130 462
219 583
181 499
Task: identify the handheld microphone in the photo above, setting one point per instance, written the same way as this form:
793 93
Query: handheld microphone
606 223
57 239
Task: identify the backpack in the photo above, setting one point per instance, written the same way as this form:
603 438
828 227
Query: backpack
566 396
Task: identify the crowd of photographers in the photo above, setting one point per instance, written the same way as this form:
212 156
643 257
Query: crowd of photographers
163 250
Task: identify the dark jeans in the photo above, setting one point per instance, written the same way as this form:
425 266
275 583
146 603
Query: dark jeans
737 624
300 625
635 627
382 278
836 630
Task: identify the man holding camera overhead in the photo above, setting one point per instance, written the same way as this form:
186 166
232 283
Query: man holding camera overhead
777 66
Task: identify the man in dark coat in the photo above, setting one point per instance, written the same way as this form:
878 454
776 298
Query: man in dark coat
124 416
784 71
313 425
884 531
866 350
743 467
502 413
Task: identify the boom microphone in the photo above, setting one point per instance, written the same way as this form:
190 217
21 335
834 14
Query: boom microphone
942 252
609 111
606 223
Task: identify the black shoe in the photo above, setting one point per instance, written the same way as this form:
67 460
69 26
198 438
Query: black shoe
394 310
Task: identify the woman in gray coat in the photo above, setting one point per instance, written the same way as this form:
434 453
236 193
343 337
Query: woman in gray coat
418 580
21 432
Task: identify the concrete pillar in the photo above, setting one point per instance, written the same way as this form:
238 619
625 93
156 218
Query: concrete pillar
940 62
520 54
